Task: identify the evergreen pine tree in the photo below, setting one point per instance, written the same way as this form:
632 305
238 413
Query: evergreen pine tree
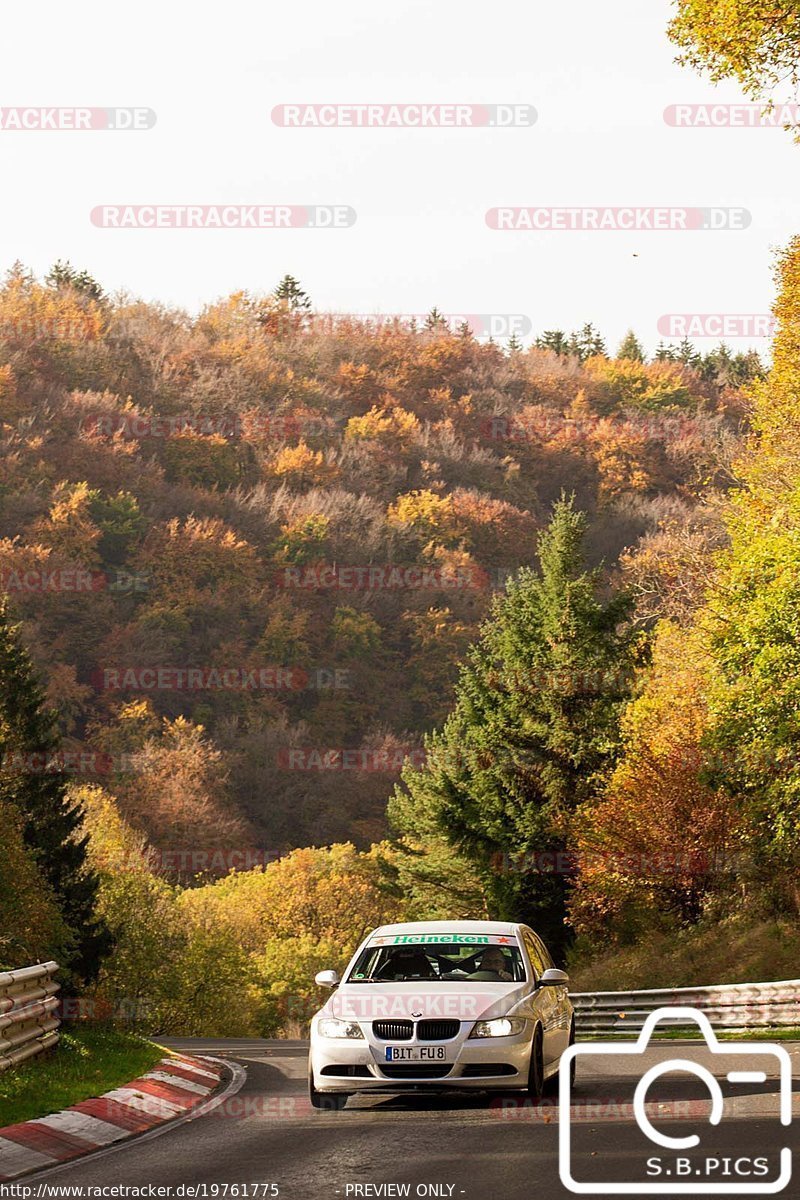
64 275
726 369
586 343
533 732
748 367
665 353
631 348
29 740
687 354
553 339
290 293
436 320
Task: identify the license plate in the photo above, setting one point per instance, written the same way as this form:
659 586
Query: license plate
415 1053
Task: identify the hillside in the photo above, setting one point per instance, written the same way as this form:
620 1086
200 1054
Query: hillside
243 543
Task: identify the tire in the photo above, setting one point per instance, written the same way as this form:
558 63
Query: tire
330 1101
535 1087
553 1083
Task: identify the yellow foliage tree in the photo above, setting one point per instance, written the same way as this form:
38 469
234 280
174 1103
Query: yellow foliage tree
753 41
306 911
429 515
31 312
391 426
69 528
624 381
301 467
31 926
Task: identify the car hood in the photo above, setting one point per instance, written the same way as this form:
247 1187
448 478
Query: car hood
451 1000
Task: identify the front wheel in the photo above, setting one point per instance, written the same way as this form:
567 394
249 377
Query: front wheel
536 1069
331 1101
553 1083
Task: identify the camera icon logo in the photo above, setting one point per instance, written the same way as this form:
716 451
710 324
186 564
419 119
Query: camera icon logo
697 1175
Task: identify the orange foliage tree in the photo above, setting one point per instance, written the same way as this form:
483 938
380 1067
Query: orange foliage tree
661 844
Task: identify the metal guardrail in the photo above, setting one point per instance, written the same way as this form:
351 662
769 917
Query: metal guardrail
734 1007
29 1017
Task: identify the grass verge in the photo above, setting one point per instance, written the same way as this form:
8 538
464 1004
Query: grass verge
88 1061
731 951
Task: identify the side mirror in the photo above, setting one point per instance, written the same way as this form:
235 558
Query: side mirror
327 979
554 978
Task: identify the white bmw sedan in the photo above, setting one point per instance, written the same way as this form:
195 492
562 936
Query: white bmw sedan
440 1005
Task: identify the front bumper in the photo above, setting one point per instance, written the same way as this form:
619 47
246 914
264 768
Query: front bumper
478 1064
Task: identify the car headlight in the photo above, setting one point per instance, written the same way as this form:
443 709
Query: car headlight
332 1027
500 1027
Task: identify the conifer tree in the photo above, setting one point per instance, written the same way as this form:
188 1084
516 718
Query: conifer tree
631 348
31 780
532 734
586 342
290 293
64 275
553 339
436 320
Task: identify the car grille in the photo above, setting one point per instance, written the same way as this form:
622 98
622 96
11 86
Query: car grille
393 1031
437 1031
416 1071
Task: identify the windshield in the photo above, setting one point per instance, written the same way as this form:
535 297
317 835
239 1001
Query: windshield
444 962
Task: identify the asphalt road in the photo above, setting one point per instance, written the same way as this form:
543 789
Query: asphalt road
475 1147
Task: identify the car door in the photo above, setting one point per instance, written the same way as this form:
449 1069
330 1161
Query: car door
546 1003
562 1009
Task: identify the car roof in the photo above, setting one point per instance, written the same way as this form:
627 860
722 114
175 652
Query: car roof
474 927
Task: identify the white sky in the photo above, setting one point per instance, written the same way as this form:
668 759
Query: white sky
599 75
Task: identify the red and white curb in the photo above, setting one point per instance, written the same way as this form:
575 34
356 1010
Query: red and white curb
176 1085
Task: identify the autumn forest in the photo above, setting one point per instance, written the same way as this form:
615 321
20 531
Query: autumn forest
269 567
